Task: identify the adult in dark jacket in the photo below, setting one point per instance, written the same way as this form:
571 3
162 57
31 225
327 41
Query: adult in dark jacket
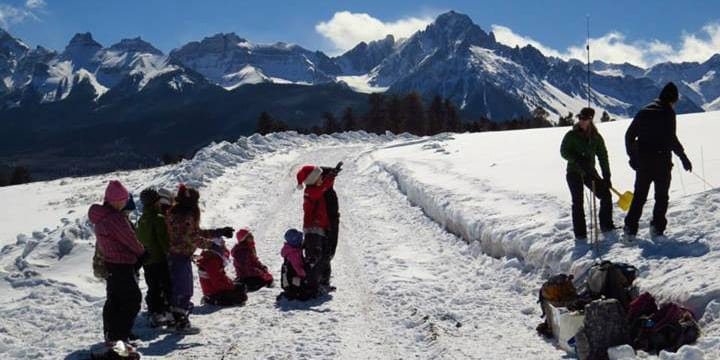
122 253
650 141
153 234
580 147
333 211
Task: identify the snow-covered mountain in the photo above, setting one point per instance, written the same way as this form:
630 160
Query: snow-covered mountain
456 59
699 81
230 61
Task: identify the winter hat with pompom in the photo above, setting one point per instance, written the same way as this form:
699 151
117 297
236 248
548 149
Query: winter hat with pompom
242 235
294 238
308 175
115 191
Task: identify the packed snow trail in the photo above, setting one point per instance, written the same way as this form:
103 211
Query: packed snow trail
406 288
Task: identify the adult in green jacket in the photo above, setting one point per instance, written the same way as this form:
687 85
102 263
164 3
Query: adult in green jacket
580 147
153 234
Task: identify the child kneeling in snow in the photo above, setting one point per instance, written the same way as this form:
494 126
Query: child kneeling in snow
249 270
217 287
293 276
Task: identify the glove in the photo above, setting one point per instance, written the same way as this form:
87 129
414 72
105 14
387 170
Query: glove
296 281
226 232
687 165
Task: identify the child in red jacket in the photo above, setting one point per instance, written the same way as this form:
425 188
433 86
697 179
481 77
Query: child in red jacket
217 287
316 221
249 270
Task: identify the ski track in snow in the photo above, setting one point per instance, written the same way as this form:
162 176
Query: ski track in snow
407 287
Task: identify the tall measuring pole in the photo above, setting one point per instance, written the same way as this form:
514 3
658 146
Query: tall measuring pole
587 47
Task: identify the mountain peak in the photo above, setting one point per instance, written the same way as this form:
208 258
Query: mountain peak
9 43
454 19
84 40
135 45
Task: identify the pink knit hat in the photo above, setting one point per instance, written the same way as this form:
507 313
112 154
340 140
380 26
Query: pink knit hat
115 191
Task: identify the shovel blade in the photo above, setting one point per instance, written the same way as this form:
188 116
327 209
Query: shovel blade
625 200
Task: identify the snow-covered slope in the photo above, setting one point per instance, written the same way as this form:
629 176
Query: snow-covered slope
407 287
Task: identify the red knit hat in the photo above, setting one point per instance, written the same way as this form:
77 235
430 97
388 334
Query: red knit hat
308 175
115 191
242 235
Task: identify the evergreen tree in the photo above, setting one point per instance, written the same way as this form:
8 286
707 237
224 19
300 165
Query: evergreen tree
348 120
436 117
452 118
279 126
566 121
20 175
330 124
414 113
539 118
396 119
264 124
376 116
605 117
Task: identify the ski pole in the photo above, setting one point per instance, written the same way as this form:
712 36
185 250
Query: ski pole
595 219
703 180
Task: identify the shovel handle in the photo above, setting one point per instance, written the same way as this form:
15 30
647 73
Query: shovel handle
615 191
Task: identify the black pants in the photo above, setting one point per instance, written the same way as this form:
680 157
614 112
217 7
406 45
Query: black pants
602 192
157 278
660 176
328 255
123 301
254 283
315 247
235 297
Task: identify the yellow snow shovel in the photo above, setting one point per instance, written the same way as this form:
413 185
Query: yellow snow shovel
624 200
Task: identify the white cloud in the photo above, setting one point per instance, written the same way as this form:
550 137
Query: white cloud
10 15
613 47
35 4
346 29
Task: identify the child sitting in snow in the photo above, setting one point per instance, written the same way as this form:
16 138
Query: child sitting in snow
248 268
217 287
293 276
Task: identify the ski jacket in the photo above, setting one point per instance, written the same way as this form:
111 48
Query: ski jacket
211 270
295 257
580 149
315 217
116 239
247 264
186 235
652 134
152 232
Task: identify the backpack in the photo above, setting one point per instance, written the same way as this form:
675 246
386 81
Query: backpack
98 265
558 291
605 326
640 309
671 327
612 280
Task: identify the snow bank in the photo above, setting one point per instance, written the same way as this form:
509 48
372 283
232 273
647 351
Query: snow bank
505 194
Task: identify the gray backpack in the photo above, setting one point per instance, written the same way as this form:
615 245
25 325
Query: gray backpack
605 326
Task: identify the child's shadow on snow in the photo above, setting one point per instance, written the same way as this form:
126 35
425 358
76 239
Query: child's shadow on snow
283 304
85 354
167 345
671 249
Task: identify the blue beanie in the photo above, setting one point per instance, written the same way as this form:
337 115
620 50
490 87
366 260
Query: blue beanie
294 238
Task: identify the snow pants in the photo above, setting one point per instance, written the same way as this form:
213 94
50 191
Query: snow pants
329 254
123 301
602 192
181 278
235 297
660 175
315 247
157 278
253 283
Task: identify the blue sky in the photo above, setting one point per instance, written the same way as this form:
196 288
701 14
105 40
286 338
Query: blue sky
644 32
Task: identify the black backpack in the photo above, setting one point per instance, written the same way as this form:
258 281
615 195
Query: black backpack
611 280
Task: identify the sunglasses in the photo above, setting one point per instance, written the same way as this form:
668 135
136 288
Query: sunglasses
585 119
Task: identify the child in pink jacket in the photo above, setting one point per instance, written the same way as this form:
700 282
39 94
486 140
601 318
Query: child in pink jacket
293 273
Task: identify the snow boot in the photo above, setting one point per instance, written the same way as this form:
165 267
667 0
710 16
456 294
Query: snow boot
182 323
118 350
628 236
161 319
654 232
